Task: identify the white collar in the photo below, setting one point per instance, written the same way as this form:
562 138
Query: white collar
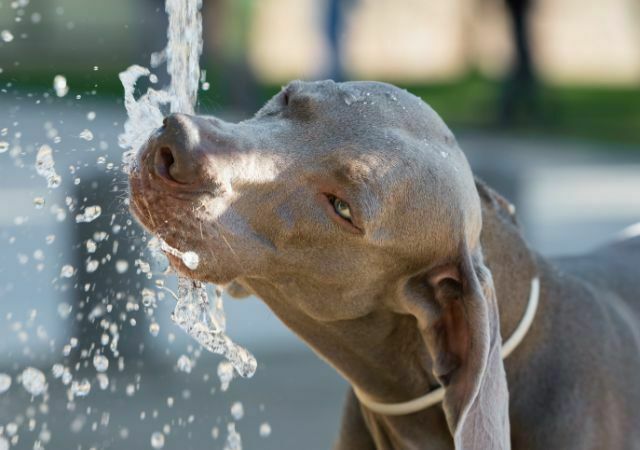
436 396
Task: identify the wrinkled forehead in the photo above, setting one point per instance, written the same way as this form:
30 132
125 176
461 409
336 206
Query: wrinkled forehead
362 111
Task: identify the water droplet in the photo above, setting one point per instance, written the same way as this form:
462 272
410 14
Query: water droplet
191 260
45 435
100 236
86 134
81 388
5 383
184 364
91 246
101 363
60 85
265 429
225 374
64 309
154 329
234 442
157 439
57 370
148 298
67 271
92 265
91 115
12 429
6 35
103 381
444 154
45 166
122 266
38 202
34 381
237 410
130 390
90 214
4 146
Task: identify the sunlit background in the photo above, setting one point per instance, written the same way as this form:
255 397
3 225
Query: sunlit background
544 96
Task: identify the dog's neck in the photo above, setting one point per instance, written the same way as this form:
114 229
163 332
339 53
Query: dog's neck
393 365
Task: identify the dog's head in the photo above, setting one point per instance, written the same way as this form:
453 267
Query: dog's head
341 200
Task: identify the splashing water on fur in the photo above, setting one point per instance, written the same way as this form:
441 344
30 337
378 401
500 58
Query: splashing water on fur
194 312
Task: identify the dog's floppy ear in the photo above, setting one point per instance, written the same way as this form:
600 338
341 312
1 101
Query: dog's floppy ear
457 314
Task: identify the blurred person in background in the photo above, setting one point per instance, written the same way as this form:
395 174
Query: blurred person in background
334 28
519 88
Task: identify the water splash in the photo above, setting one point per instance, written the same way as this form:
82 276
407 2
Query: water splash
89 214
45 166
194 314
34 381
182 54
144 114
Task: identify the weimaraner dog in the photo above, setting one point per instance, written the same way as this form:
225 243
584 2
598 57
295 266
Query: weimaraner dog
350 210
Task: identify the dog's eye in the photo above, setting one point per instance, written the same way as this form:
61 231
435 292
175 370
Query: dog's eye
341 207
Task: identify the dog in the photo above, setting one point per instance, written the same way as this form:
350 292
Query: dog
350 210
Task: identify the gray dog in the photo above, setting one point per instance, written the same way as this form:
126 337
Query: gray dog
351 212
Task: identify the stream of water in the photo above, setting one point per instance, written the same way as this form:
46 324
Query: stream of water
193 311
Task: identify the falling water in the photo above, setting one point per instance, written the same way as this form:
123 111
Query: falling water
194 312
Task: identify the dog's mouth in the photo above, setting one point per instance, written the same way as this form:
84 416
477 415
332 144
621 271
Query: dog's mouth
179 218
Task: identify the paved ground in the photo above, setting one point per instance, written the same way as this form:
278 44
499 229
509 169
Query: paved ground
570 195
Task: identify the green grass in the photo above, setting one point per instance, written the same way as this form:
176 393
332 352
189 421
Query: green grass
604 113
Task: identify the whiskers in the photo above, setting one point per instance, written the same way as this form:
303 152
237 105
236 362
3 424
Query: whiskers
224 239
147 210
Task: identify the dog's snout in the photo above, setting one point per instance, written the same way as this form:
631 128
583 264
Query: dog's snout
175 150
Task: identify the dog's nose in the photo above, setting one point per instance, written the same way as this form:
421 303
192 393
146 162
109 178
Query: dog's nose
175 150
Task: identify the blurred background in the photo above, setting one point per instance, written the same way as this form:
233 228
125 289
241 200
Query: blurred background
543 95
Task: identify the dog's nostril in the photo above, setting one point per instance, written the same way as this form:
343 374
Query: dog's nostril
167 156
163 161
